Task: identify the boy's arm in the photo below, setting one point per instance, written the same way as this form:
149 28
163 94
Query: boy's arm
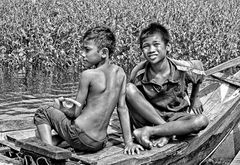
196 77
84 83
135 70
76 109
122 110
195 103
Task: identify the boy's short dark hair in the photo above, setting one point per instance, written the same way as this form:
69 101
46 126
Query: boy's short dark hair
152 29
103 37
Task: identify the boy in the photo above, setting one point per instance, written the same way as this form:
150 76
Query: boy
157 95
84 126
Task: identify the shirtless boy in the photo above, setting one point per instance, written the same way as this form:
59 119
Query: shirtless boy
157 96
84 125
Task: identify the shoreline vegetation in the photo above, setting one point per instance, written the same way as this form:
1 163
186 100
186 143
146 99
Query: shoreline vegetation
44 37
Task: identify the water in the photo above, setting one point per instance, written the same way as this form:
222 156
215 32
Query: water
22 93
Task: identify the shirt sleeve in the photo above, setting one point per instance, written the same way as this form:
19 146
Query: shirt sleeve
137 70
196 74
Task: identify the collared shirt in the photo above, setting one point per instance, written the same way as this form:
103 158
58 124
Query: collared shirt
172 94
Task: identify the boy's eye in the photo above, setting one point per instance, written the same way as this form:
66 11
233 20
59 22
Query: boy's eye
156 44
85 49
145 46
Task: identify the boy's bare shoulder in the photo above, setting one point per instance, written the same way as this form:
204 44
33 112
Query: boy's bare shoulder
119 69
120 72
88 73
91 75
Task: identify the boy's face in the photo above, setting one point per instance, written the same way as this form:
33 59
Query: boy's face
154 48
91 55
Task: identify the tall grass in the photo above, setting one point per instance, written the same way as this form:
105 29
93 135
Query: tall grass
46 34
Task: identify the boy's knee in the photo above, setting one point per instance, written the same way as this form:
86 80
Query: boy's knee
200 122
40 115
131 90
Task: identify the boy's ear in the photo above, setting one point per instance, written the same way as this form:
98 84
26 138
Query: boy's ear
168 47
104 52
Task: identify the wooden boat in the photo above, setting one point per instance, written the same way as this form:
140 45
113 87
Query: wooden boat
220 100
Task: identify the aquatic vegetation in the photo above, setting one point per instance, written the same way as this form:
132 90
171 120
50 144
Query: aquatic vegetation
46 35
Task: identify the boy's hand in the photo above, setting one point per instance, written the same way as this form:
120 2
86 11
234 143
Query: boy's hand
72 101
197 107
131 148
58 103
65 103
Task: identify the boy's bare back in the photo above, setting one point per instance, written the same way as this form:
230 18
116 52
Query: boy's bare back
105 86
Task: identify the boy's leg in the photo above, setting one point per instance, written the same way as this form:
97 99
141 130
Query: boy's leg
44 131
140 108
48 118
143 113
191 124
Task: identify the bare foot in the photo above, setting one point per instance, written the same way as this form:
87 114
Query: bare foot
142 136
160 142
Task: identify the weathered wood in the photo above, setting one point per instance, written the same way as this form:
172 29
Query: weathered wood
223 66
9 145
236 160
4 160
4 149
13 125
220 101
231 79
35 145
223 115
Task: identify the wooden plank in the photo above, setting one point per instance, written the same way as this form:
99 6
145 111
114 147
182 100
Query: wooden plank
4 160
35 145
223 66
15 125
236 160
4 149
19 134
231 79
10 145
223 116
208 89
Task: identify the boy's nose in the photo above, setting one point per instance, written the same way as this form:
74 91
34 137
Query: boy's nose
151 48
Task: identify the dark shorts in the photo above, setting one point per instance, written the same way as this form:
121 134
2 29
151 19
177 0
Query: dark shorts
66 129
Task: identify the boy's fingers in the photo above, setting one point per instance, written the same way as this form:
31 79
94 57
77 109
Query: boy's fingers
73 101
150 145
137 151
56 103
125 151
132 151
61 98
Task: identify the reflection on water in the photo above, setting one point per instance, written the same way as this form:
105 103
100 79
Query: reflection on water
23 92
37 83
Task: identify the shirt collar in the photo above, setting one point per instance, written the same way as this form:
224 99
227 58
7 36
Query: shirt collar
174 73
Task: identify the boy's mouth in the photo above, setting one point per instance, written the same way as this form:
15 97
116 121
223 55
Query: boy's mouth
152 56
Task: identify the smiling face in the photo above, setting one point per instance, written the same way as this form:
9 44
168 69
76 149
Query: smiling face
154 48
91 54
